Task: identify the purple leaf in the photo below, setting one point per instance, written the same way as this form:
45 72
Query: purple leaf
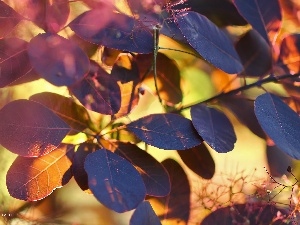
214 127
209 41
263 15
14 62
155 176
199 160
30 129
280 123
116 30
144 215
9 18
58 60
98 91
114 181
166 131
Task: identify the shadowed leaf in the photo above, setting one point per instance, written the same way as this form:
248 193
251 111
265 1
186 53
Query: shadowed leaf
255 54
74 115
155 176
58 60
280 123
32 179
144 215
214 127
98 91
14 60
30 129
166 131
9 18
199 160
116 30
114 181
263 15
209 41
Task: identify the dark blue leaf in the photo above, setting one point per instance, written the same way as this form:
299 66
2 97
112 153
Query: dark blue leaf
214 127
114 181
263 15
58 60
209 41
155 176
166 131
280 122
144 215
98 91
115 30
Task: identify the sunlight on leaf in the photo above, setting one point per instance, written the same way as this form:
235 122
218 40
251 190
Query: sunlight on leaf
32 179
280 122
144 215
114 181
9 18
166 131
214 127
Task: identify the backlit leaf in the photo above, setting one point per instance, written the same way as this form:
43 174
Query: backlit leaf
14 60
199 160
144 215
263 15
98 91
58 60
30 129
155 176
32 179
166 131
74 115
9 18
280 123
255 54
114 181
116 30
214 127
209 41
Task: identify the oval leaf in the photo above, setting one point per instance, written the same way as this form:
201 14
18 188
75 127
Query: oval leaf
166 131
58 60
14 60
32 179
199 160
280 122
9 18
214 127
98 91
263 15
155 176
30 129
116 30
209 41
144 215
114 181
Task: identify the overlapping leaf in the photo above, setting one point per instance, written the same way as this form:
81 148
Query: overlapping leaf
32 179
114 181
280 122
30 129
14 60
9 18
74 115
155 176
255 54
145 215
263 15
98 91
116 30
199 160
166 131
209 41
58 60
214 127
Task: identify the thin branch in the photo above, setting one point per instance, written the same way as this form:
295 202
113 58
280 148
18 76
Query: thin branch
156 39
